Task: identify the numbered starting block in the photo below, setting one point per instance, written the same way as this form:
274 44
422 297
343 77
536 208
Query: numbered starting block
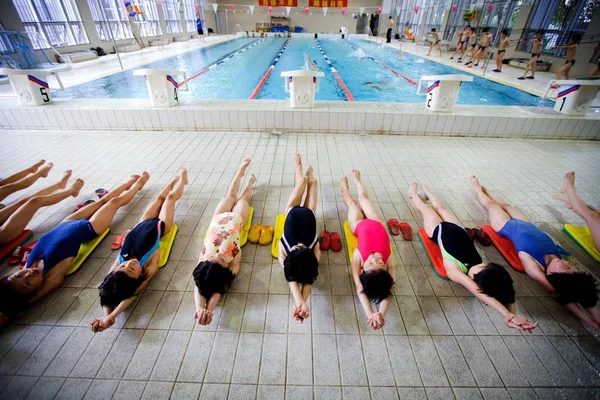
163 86
574 97
31 85
302 86
442 90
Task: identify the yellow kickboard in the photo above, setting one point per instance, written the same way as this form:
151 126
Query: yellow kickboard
352 241
583 237
85 250
246 228
166 243
278 234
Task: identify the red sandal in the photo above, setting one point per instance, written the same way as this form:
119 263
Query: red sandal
471 233
406 231
336 242
16 256
325 240
118 242
394 226
482 237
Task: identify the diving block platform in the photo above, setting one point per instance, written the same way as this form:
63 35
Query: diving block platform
442 90
574 96
31 85
163 86
302 86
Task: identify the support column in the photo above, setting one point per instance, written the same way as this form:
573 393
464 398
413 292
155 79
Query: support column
88 22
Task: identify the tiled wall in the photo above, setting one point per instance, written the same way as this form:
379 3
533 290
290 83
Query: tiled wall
331 117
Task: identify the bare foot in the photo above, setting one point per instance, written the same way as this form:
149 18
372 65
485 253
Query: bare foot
244 167
345 190
34 168
172 183
475 184
309 172
143 178
130 182
76 187
568 182
45 170
426 191
184 176
412 190
356 175
251 180
298 161
66 176
565 199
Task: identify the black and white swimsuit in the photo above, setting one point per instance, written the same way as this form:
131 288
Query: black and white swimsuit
300 228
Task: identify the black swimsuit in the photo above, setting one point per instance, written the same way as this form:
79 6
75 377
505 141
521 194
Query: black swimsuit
142 241
300 228
455 241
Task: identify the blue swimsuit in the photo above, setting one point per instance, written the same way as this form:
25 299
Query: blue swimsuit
142 241
530 239
62 242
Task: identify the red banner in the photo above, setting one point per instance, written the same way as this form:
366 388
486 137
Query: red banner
328 3
278 3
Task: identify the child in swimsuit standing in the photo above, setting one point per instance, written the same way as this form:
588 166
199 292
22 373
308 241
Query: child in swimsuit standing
436 41
482 52
462 41
373 264
299 251
504 42
571 48
536 52
471 45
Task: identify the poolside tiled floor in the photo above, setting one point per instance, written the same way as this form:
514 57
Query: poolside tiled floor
438 341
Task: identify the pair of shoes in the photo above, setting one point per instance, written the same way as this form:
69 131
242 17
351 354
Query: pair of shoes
396 227
331 240
452 58
476 65
479 235
496 70
521 78
260 234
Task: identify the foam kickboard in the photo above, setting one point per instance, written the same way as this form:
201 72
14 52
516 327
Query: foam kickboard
166 244
583 237
434 254
352 241
277 235
85 250
505 247
7 248
246 228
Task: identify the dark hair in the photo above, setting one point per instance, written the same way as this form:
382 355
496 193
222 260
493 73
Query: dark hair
12 302
433 29
577 287
540 31
505 31
301 266
116 287
496 282
211 278
486 29
576 37
377 285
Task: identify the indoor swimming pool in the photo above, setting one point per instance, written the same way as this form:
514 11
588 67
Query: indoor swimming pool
234 69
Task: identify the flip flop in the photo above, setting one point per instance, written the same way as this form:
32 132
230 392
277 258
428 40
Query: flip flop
336 242
26 251
266 235
406 231
325 240
101 192
482 237
394 226
81 205
16 256
118 242
471 233
254 233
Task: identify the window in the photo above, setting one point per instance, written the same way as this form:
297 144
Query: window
190 15
559 19
172 16
149 22
6 46
51 22
116 14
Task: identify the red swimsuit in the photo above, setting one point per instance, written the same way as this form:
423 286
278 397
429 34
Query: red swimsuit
372 238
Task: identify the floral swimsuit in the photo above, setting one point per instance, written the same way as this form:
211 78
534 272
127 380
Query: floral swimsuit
223 236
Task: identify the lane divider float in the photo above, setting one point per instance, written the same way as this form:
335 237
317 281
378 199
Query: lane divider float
335 74
222 60
258 87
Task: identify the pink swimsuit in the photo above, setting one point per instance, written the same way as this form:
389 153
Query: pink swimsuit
372 238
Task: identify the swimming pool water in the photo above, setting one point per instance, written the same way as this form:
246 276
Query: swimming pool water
366 79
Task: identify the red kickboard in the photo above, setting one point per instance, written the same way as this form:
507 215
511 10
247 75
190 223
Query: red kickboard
7 249
434 253
505 247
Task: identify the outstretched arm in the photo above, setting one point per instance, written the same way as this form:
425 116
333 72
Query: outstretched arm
364 300
535 271
53 279
583 315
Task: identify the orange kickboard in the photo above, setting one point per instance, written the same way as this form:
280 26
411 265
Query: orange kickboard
434 253
505 247
8 248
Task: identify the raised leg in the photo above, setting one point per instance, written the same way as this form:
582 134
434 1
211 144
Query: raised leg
299 184
311 191
167 211
19 220
10 188
431 218
230 198
153 210
242 206
7 211
366 205
355 214
103 217
439 208
497 214
22 174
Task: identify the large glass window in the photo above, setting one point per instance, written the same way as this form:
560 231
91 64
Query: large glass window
190 15
51 22
559 19
148 21
172 16
116 14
